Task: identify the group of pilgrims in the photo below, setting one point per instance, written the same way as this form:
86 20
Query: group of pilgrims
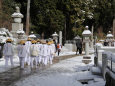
30 52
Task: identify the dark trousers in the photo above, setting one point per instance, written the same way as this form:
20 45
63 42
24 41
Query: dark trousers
80 50
58 51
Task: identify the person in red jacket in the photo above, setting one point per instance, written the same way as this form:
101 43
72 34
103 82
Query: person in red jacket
58 48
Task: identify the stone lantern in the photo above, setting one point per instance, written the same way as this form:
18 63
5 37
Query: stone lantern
16 25
55 36
86 39
109 37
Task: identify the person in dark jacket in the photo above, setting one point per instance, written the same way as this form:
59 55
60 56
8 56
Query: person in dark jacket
79 46
106 43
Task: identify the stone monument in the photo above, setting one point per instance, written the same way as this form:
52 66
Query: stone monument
17 25
86 39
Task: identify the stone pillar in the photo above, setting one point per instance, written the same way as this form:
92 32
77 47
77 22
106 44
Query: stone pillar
60 37
87 48
104 64
92 38
100 55
17 25
114 27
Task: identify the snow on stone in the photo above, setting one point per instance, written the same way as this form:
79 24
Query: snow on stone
32 36
2 39
17 15
55 34
20 31
2 33
109 35
86 32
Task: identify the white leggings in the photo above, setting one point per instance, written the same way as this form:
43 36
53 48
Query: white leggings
27 59
7 59
32 59
39 59
50 58
45 60
22 60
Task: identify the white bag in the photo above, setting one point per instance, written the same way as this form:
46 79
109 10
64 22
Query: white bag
34 51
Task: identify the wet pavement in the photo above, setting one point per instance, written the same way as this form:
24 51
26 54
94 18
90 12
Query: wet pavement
14 74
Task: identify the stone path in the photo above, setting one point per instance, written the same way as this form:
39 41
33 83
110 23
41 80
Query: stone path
14 74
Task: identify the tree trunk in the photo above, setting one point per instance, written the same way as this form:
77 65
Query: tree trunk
42 35
0 5
28 18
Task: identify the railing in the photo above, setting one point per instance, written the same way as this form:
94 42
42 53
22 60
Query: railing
108 68
111 63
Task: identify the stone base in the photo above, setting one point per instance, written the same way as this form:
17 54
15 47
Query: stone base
86 61
86 57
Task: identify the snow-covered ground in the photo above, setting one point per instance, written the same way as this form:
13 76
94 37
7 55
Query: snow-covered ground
65 73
